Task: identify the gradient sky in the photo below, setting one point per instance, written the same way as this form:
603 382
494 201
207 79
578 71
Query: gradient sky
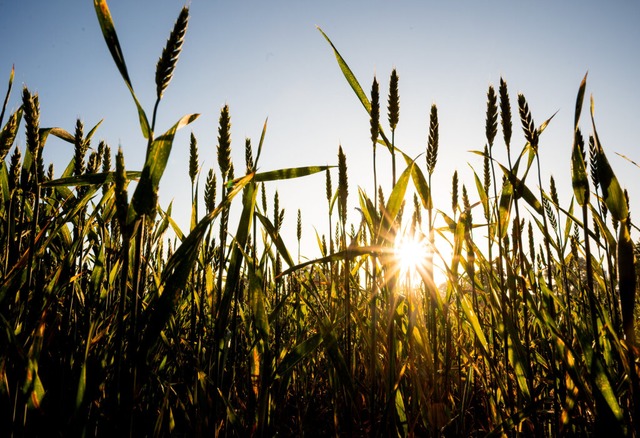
266 59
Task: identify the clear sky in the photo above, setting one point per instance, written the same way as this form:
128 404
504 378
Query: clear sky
266 59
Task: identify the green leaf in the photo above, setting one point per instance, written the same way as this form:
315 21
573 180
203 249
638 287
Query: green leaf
605 388
298 354
397 195
223 313
294 172
257 303
93 179
579 100
355 86
111 38
6 97
579 178
145 197
402 413
611 191
276 238
484 200
505 208
423 189
82 380
262 135
62 134
370 214
467 308
348 74
160 149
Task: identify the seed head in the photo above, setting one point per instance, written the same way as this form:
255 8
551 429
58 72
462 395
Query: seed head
328 188
505 113
80 149
248 155
210 191
593 160
122 204
169 58
554 191
193 158
224 142
14 168
491 124
106 158
486 171
432 146
8 135
394 101
32 120
417 211
528 126
454 192
343 185
375 111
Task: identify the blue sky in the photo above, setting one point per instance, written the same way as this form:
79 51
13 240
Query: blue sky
266 59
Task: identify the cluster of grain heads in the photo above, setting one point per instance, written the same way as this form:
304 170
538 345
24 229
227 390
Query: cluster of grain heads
112 327
527 296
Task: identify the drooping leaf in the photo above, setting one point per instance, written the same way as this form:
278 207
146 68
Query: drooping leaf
93 179
111 38
294 172
298 354
348 74
145 196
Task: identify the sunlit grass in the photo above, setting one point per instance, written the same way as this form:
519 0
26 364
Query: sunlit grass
429 320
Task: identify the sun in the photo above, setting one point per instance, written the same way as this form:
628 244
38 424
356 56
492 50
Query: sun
412 256
417 261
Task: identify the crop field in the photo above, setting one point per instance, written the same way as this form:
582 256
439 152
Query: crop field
115 321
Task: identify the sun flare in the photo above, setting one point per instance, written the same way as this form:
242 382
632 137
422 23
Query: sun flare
412 255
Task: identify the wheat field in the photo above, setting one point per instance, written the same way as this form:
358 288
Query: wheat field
116 321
